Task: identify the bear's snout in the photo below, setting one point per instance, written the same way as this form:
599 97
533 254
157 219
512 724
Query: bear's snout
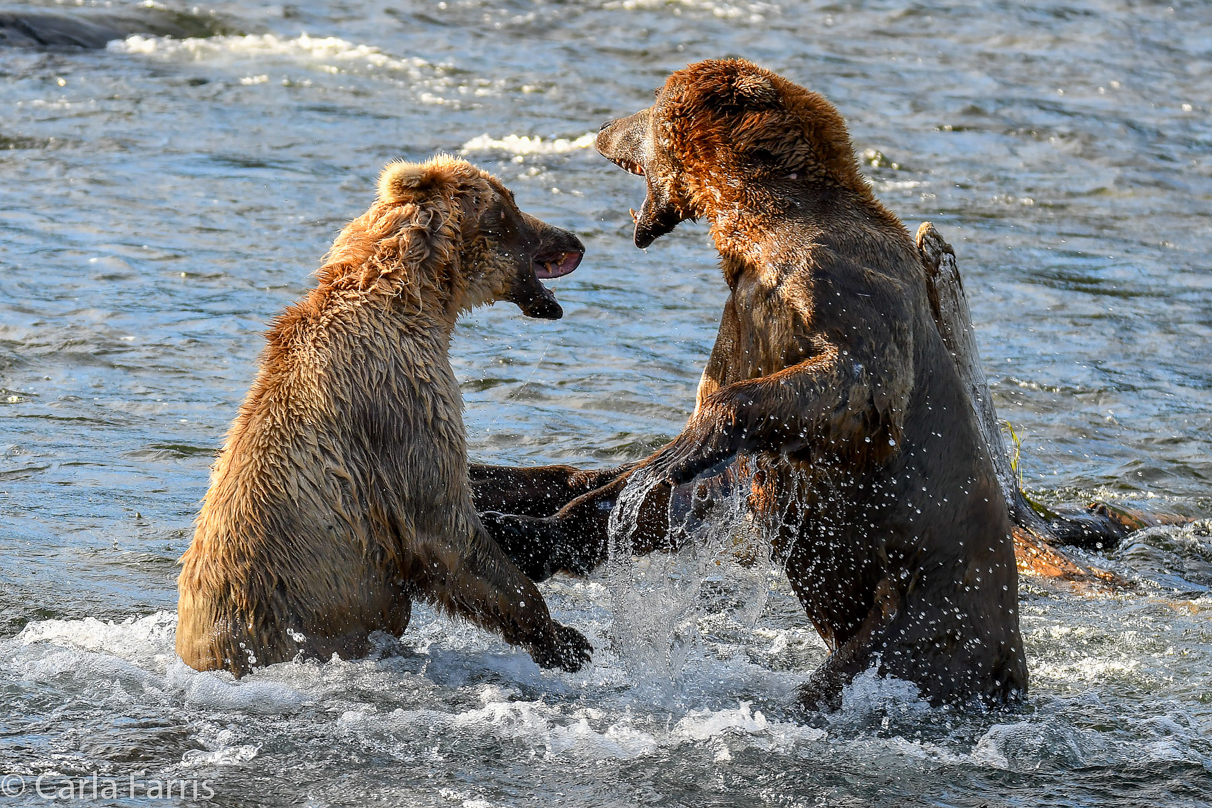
626 142
559 253
621 141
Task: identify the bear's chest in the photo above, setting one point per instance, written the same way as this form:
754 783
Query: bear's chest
771 329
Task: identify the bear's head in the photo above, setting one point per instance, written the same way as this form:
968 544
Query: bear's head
446 233
725 134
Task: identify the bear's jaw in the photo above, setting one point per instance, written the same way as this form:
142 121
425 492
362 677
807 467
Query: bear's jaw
654 219
627 165
535 300
531 296
627 142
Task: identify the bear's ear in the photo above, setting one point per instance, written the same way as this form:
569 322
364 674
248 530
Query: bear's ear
412 182
406 182
754 89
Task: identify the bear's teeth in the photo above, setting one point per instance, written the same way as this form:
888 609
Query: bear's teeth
635 217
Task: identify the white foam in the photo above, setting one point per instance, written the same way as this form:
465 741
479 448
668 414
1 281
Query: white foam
1024 745
227 756
586 733
1087 669
423 698
136 639
524 720
523 144
869 693
699 726
618 742
328 54
81 666
749 12
463 799
509 719
542 725
140 649
707 725
220 690
922 750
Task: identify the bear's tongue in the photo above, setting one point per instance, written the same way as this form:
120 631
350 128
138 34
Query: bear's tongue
556 265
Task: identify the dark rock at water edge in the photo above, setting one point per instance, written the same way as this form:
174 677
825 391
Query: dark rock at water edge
92 30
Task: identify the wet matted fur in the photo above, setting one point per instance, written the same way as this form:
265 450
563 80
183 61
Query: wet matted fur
342 491
830 377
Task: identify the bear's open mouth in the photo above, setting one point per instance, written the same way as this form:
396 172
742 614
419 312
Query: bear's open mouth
627 165
556 264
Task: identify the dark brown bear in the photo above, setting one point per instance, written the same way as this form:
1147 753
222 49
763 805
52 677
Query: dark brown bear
829 377
342 492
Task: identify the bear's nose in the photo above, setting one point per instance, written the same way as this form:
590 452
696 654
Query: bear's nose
608 123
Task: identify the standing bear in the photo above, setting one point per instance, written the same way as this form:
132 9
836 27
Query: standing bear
829 380
342 492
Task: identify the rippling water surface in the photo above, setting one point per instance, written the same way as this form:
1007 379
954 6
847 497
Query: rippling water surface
161 199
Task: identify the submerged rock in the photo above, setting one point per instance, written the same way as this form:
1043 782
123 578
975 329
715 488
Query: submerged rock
93 30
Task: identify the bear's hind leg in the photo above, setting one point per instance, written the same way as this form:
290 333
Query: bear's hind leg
858 653
953 657
956 654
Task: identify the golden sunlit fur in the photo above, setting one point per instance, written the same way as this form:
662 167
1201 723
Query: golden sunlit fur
341 493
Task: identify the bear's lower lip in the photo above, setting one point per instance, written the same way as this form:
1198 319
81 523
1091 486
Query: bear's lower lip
652 221
556 265
543 305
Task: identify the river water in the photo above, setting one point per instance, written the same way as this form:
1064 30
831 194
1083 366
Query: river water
161 199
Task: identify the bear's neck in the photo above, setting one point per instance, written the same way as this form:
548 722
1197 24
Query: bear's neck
333 316
775 229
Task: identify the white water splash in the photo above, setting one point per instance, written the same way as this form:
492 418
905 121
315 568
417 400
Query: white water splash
618 741
519 145
657 599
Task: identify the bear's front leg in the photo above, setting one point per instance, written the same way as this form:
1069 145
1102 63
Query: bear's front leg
537 545
480 584
576 539
537 490
514 504
711 438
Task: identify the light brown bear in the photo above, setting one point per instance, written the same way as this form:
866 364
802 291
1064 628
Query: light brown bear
342 492
829 376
